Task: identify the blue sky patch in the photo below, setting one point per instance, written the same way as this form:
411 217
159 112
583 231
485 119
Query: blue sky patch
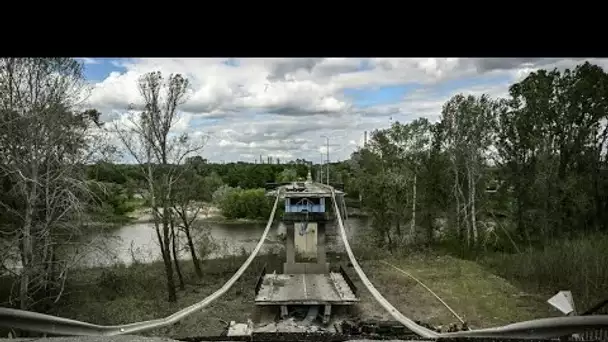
452 87
365 65
233 62
198 122
374 96
98 69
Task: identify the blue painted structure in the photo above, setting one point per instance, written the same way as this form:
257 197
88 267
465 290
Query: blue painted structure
298 205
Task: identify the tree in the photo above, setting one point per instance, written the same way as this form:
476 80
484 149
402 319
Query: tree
44 143
187 191
210 184
287 175
412 141
552 138
159 152
543 150
468 126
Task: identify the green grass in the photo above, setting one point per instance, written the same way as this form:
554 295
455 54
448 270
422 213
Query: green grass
579 265
120 295
478 296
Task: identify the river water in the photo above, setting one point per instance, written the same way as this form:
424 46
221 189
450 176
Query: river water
138 241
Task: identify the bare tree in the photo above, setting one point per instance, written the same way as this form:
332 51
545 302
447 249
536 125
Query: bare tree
149 139
44 144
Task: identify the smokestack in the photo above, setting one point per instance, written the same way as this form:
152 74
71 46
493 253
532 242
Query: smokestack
365 139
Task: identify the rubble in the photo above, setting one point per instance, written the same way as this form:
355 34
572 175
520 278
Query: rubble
290 325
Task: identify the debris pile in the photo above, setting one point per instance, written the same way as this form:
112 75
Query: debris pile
390 328
290 325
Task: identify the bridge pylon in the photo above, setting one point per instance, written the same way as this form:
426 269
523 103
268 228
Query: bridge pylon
306 278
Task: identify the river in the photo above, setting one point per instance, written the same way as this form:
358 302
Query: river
138 241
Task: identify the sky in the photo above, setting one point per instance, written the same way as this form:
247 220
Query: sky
283 107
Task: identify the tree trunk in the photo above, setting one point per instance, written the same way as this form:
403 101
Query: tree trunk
457 198
26 243
398 229
472 201
175 239
430 230
163 239
465 214
167 254
413 227
195 261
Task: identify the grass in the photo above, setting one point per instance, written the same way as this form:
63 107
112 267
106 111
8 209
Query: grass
127 294
481 298
487 292
579 265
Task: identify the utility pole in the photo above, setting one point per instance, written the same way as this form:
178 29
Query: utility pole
327 150
321 169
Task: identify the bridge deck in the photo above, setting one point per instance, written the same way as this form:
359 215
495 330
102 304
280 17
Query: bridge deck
305 289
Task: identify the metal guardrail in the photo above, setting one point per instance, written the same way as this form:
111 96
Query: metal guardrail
600 308
349 281
544 328
33 321
258 285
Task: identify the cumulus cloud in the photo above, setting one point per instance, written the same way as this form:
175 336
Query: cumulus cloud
282 106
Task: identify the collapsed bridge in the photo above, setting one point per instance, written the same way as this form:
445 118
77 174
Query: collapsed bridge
305 280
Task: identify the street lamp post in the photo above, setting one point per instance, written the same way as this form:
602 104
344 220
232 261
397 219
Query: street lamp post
327 161
321 169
